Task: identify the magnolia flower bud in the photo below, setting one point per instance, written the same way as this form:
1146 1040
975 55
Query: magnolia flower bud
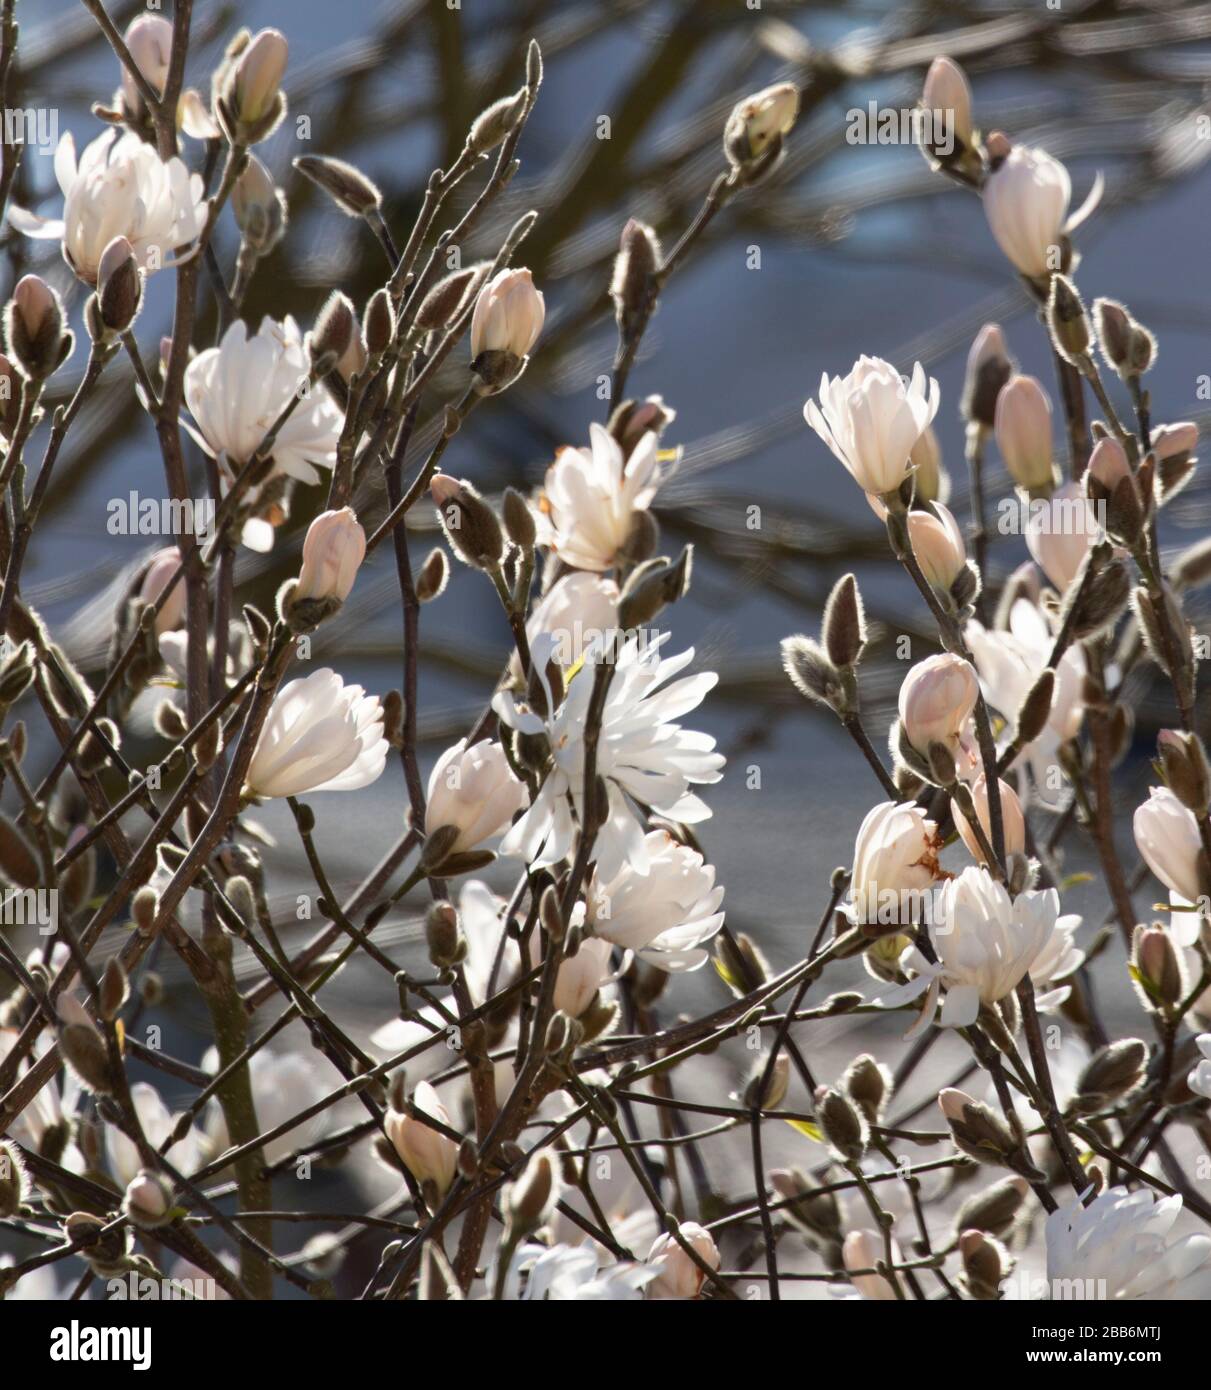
84 1051
1185 766
1059 531
1023 431
1128 347
445 299
33 328
447 945
334 331
770 1095
1012 819
505 325
631 420
529 1202
348 187
977 1130
936 701
253 92
986 1263
844 625
947 93
1167 836
678 1276
473 790
1067 321
148 1200
930 480
149 42
119 286
843 1125
1026 201
652 586
989 367
937 543
429 1155
1165 631
864 1250
815 1212
14 1181
868 1083
756 125
633 287
995 1209
812 674
1156 966
378 323
1111 1073
333 550
432 576
469 522
494 122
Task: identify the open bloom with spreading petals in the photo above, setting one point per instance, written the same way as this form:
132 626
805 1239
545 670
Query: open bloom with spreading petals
427 1153
985 942
333 550
474 790
1026 201
320 735
157 1123
872 419
665 914
936 700
641 753
1199 1079
284 1084
1009 663
678 1276
592 496
1121 1247
1166 834
573 1273
237 390
120 187
896 851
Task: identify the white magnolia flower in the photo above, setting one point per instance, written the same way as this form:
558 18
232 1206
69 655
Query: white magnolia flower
591 497
333 550
283 1085
237 390
641 753
158 1123
872 419
474 790
936 700
120 187
1026 202
1166 834
985 942
577 610
567 1273
427 1153
665 914
580 978
1200 1077
320 735
1009 663
896 851
54 1103
1120 1247
677 1275
508 315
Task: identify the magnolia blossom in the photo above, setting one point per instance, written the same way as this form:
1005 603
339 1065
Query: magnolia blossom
1009 663
937 543
1026 201
1023 432
573 1273
663 914
677 1275
333 550
474 790
157 1123
236 391
1059 532
429 1155
580 977
872 419
1199 1079
864 1249
576 610
985 942
149 42
591 498
120 187
1012 819
508 315
896 851
320 735
163 565
947 92
1059 959
641 753
284 1084
936 701
1121 1247
759 120
1166 834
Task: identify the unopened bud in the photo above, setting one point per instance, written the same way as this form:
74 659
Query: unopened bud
148 1200
844 626
1067 321
447 945
348 187
34 328
115 989
335 325
1156 967
773 1093
519 519
634 286
652 586
986 1263
119 286
1184 763
84 1051
995 1209
1111 1073
494 122
843 1125
378 323
868 1084
433 576
445 299
529 1201
469 522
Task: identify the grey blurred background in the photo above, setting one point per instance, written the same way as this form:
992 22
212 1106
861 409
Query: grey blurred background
861 249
